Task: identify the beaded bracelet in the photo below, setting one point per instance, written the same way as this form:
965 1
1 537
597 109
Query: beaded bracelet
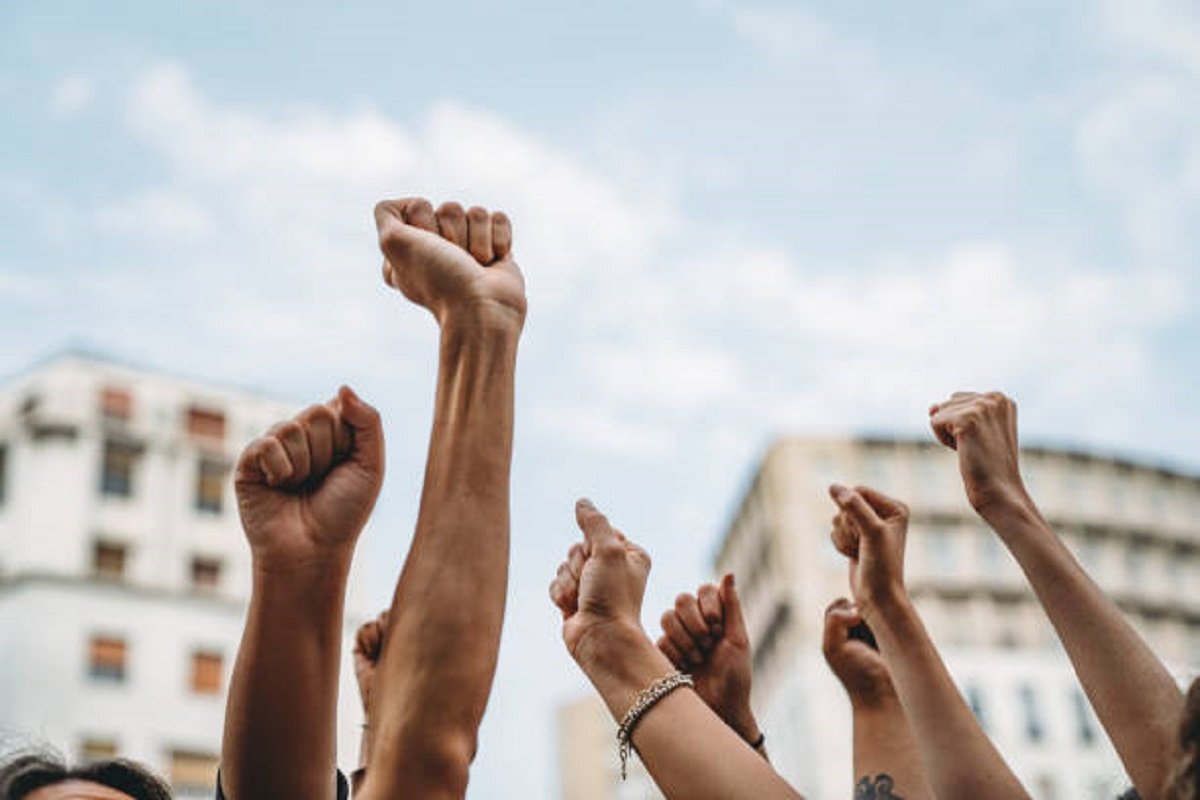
647 698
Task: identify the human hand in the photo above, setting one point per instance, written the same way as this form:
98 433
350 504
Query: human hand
705 635
368 646
870 529
306 488
599 588
983 429
451 261
858 665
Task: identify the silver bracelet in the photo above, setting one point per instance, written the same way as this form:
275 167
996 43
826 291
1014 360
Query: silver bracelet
647 698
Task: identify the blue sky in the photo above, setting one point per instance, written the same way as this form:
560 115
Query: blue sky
737 219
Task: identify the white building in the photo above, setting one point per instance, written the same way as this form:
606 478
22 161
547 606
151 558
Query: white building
1136 527
124 574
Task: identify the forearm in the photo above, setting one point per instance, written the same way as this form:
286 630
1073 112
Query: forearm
1134 695
448 607
688 750
281 713
885 750
958 759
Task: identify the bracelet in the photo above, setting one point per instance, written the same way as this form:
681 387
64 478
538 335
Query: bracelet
647 698
759 742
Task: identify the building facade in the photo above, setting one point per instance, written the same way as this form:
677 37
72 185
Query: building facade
1134 526
124 574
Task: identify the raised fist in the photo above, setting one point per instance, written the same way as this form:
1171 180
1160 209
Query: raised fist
451 261
306 488
368 646
853 660
983 429
705 635
600 586
870 529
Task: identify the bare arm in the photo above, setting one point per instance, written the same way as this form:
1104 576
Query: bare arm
958 758
1134 695
887 761
440 648
304 493
687 749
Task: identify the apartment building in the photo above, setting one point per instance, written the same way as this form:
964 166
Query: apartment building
124 574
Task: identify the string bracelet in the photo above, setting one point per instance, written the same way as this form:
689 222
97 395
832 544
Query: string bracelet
647 698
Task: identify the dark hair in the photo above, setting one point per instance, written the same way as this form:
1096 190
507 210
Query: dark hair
25 773
1185 784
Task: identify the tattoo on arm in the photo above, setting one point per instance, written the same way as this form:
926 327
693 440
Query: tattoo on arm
877 788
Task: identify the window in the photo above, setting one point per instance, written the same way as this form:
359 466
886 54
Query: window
210 485
1031 714
193 773
106 659
1083 718
108 560
3 472
116 478
97 749
205 423
116 404
206 573
206 672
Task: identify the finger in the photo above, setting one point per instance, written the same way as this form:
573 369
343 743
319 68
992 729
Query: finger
560 598
672 653
418 212
941 422
501 235
731 611
343 434
319 424
452 223
675 631
567 582
857 509
883 504
366 429
597 532
479 235
709 599
845 539
840 617
254 467
687 610
575 558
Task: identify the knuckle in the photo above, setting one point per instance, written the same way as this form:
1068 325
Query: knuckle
683 601
450 210
478 214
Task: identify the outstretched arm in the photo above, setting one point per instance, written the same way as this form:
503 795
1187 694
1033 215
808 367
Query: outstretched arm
439 652
688 750
304 493
705 634
1134 695
959 759
887 761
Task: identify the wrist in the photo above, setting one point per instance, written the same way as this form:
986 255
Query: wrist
884 601
746 726
1001 501
317 568
605 646
481 315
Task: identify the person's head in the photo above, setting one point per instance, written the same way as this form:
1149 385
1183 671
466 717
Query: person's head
40 776
1186 783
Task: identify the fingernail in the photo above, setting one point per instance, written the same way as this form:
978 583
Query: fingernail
583 502
836 490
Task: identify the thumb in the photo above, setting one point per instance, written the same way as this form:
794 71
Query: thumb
364 420
731 603
597 531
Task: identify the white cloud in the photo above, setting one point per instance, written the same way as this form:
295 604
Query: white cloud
158 214
599 428
71 95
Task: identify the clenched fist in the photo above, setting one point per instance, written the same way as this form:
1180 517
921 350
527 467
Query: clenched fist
982 428
306 488
451 261
856 664
705 635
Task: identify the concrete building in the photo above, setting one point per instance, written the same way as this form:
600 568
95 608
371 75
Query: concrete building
124 574
1135 526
